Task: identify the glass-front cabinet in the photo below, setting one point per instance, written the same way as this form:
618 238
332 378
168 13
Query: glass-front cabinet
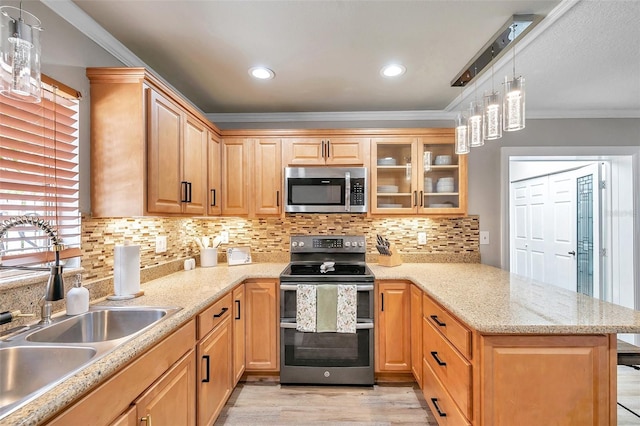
418 175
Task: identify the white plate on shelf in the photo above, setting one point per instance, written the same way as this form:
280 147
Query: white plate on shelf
387 188
390 206
440 205
387 161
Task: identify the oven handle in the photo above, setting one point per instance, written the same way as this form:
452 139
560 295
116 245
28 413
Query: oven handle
294 287
359 326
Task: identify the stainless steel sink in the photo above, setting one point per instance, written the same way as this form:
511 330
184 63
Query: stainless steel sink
27 369
99 326
34 360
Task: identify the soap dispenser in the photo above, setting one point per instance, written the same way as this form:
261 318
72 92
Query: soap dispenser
77 299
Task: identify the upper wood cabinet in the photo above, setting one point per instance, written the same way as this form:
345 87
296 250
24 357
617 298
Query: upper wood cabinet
177 161
267 177
148 147
214 176
418 175
236 162
325 151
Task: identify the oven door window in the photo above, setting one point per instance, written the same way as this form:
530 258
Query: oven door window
326 349
315 192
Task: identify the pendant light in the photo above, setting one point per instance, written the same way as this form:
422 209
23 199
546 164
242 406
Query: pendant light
513 113
20 54
462 135
492 115
475 118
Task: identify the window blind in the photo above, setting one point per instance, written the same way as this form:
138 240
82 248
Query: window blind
39 174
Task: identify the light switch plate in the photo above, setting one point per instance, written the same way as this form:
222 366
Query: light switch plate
224 235
484 237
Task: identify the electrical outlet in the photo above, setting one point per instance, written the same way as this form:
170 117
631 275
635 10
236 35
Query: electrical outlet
422 238
225 237
484 237
161 243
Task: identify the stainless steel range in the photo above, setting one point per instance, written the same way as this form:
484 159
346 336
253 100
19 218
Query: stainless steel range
313 357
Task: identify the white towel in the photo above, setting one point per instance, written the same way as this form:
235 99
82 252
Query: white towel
347 308
306 308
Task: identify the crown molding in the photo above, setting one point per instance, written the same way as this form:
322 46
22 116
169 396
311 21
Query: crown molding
283 117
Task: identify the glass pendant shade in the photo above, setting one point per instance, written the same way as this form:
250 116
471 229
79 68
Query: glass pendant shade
462 135
474 123
492 117
20 55
513 111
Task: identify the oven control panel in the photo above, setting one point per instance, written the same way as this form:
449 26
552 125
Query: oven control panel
326 243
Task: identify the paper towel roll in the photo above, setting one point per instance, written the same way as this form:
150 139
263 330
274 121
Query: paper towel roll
126 270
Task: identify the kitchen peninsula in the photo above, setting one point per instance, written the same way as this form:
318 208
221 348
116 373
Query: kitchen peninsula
508 320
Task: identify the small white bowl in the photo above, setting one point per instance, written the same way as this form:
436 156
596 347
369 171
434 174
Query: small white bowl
387 161
442 160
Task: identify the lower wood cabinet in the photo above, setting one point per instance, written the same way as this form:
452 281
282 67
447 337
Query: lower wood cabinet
161 367
393 327
214 359
238 325
262 325
416 333
171 400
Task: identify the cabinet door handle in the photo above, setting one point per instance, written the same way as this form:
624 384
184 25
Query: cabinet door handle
146 419
238 309
328 148
435 356
206 358
421 198
225 309
441 413
323 150
188 192
415 198
381 302
277 198
437 321
213 198
183 192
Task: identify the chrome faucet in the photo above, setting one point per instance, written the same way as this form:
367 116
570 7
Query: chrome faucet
55 284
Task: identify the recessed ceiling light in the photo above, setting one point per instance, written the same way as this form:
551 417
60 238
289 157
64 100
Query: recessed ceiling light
393 70
261 73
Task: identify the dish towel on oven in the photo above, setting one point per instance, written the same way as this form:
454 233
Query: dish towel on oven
336 307
306 308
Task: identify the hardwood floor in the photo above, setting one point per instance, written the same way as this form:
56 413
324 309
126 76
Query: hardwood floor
273 404
268 403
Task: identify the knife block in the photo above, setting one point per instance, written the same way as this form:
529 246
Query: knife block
393 260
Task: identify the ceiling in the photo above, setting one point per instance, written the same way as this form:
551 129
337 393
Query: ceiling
583 59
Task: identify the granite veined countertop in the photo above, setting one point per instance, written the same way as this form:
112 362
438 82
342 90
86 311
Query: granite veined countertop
488 299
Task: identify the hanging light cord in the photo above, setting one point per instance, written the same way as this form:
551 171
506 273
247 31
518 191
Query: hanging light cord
514 50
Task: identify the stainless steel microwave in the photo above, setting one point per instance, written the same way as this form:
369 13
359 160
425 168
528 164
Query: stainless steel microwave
325 189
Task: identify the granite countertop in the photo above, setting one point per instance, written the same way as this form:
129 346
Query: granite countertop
488 299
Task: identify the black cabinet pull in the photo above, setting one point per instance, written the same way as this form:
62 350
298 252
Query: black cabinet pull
441 413
437 321
323 150
206 357
328 147
277 198
188 192
441 363
238 309
213 198
421 198
382 302
225 309
415 198
183 192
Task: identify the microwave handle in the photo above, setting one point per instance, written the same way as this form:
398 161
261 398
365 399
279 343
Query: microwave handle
347 192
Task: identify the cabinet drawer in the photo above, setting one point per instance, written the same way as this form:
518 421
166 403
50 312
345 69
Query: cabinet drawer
213 315
445 323
440 403
453 370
